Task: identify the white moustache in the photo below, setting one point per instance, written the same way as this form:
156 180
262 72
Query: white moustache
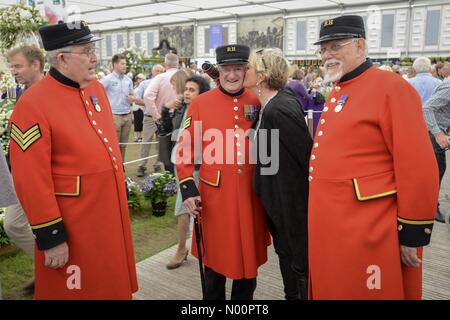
331 61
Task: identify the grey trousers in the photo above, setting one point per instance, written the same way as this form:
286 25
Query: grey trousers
149 130
18 228
123 126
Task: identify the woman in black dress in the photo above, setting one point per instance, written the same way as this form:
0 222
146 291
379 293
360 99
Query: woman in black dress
282 183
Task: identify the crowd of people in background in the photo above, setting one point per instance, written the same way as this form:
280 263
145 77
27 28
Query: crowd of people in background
171 95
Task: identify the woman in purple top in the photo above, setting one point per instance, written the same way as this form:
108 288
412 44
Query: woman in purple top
305 99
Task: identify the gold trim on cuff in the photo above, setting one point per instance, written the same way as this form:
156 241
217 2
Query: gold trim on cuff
416 222
43 225
186 179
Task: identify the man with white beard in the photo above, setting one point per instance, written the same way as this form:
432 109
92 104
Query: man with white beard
373 177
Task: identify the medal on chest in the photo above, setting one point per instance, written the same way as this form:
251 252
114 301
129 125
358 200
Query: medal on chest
95 103
341 102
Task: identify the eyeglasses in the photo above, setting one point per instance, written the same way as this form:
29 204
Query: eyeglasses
227 69
87 51
262 58
333 49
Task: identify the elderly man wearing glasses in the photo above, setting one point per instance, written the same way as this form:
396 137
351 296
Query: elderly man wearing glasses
373 181
69 177
235 235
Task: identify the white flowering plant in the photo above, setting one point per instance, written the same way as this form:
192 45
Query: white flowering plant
134 57
4 239
6 109
7 81
18 22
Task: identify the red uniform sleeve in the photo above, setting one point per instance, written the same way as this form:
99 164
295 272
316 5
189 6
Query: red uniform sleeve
415 167
31 149
188 150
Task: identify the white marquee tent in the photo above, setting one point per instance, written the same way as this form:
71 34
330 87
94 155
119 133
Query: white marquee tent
108 15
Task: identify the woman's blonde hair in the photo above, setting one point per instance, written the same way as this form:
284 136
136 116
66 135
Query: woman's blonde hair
178 80
272 64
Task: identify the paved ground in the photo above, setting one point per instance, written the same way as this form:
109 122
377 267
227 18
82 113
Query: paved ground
156 282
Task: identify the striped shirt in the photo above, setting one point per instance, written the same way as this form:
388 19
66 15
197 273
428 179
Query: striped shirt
425 84
437 109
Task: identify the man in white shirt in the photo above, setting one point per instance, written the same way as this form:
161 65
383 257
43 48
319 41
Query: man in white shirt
159 92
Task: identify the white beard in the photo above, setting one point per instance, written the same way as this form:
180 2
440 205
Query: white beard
333 76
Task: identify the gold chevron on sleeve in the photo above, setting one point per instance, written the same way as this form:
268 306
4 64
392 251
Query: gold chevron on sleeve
25 139
187 123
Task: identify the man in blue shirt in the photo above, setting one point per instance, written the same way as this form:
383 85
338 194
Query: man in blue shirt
424 82
119 89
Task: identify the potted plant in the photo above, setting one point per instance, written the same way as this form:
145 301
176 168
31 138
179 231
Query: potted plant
157 188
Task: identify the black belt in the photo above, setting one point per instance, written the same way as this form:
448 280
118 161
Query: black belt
147 115
123 114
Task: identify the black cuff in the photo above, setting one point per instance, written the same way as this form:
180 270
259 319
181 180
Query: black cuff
188 188
414 233
50 236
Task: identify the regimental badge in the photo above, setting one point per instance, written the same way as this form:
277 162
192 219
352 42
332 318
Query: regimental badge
95 103
341 103
251 111
25 139
329 22
187 123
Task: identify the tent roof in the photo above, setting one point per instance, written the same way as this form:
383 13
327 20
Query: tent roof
106 15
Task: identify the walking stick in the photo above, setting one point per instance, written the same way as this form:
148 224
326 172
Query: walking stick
198 239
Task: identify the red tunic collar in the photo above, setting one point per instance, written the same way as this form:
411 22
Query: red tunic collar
358 71
58 76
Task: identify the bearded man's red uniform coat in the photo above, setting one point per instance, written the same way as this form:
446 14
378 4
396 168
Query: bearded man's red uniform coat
373 187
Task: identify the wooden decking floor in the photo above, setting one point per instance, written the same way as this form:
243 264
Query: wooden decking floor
158 283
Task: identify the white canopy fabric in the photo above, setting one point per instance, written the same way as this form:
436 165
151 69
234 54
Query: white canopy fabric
108 15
